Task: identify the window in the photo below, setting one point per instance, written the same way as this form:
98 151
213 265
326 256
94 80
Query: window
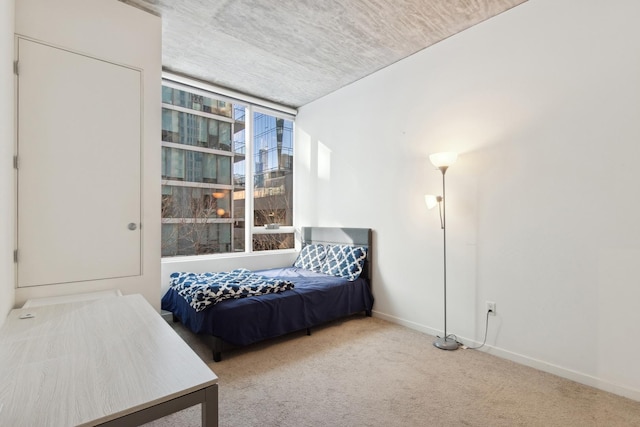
273 179
204 174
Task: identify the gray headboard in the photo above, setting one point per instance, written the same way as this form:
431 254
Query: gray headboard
342 236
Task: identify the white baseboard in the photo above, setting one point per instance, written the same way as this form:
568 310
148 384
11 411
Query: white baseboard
541 365
408 324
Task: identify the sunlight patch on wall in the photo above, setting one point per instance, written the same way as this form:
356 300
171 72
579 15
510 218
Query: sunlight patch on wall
303 149
324 162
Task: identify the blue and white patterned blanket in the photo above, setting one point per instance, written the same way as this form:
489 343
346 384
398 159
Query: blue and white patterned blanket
207 289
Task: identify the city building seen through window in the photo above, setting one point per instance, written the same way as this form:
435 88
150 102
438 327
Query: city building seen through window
215 151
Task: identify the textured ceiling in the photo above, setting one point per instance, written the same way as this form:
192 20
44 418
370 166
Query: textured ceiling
295 51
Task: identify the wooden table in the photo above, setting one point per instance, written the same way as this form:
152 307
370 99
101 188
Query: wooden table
112 362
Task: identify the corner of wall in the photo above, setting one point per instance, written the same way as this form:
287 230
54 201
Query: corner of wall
7 292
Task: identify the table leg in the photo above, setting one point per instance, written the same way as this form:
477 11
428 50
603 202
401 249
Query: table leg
210 407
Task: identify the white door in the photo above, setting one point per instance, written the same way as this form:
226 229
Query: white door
79 182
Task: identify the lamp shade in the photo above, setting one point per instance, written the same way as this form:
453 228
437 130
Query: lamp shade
431 201
445 159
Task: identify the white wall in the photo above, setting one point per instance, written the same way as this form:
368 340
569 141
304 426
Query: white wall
122 34
7 220
543 104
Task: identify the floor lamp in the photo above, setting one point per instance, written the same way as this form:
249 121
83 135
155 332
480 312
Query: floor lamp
442 161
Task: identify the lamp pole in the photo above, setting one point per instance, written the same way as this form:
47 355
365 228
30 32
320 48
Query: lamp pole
442 161
444 246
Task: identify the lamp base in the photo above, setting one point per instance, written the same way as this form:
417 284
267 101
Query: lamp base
445 344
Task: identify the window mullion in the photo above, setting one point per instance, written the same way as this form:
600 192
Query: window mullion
249 181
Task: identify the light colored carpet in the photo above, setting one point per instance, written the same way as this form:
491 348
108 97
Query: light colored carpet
365 371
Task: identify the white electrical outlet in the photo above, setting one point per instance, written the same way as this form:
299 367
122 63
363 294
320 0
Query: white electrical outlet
491 308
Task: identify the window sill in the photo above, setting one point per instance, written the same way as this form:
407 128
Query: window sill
283 229
232 255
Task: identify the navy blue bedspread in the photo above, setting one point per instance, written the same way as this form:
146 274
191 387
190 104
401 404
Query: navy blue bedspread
317 298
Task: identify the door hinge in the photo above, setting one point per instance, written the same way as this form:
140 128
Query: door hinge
15 255
15 68
15 162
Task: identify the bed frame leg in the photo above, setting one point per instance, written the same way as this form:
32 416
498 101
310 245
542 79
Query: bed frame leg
174 318
368 313
308 331
217 349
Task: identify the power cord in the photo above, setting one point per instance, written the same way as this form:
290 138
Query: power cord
486 328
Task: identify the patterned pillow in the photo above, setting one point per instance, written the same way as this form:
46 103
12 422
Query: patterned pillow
345 261
311 257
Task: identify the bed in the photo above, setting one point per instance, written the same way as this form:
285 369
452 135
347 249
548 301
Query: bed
320 293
